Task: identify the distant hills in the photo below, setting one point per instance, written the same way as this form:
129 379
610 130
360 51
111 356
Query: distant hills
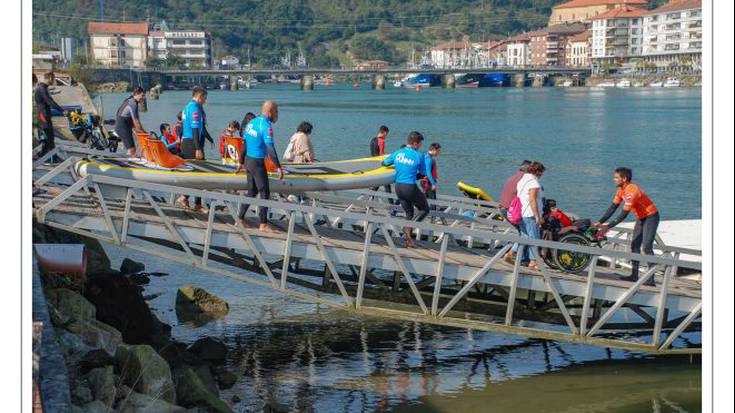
328 32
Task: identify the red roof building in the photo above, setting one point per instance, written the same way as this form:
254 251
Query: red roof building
584 10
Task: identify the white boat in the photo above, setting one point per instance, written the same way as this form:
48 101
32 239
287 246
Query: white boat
623 83
567 83
656 84
672 82
397 83
606 84
637 84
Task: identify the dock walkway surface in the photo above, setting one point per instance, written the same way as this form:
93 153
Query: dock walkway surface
344 250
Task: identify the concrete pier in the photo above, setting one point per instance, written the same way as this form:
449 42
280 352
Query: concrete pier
519 79
378 82
307 82
233 83
449 81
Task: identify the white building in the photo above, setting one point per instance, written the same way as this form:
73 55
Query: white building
118 44
454 54
193 47
518 50
578 50
617 35
672 33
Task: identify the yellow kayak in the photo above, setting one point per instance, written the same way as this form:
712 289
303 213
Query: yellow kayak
474 192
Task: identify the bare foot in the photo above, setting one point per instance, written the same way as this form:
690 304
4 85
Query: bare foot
508 257
532 265
201 209
267 228
409 243
184 202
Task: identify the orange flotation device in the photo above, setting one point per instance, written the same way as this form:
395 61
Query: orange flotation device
231 149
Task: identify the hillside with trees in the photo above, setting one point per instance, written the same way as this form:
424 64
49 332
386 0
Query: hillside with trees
328 32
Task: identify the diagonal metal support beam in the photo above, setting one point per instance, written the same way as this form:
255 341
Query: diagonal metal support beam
251 245
66 164
622 300
287 249
514 285
169 225
402 266
438 276
327 260
126 216
549 281
588 295
661 310
68 192
106 213
681 327
208 233
40 161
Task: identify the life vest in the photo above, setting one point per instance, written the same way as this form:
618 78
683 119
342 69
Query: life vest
230 149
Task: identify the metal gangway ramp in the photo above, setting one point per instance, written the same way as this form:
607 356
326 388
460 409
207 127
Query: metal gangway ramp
343 250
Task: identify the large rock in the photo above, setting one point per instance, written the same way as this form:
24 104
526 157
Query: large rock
129 266
95 359
193 392
97 334
102 383
73 347
120 304
209 350
96 406
225 378
141 403
70 305
196 304
81 394
145 371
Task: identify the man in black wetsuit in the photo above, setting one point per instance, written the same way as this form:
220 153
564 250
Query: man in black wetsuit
127 120
44 104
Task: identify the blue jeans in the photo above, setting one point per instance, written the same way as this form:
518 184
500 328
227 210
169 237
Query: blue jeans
504 213
529 229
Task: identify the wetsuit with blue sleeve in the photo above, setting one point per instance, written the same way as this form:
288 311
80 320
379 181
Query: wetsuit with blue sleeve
431 176
408 163
258 145
192 121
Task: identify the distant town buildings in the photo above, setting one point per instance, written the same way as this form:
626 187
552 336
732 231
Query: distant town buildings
133 44
371 65
578 49
518 51
583 10
454 54
548 45
673 32
617 34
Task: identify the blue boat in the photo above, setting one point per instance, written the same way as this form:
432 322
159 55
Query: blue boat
495 80
422 80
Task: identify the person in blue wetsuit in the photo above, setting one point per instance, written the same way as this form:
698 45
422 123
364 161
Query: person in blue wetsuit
259 145
409 162
192 122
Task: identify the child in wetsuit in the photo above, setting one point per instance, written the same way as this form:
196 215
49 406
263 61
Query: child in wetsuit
429 182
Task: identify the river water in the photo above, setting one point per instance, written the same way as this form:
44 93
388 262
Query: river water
303 357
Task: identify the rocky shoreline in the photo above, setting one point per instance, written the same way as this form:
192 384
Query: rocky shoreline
118 354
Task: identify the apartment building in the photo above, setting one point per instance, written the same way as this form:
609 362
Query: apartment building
118 44
518 50
617 35
193 47
547 46
583 10
492 53
672 33
578 49
453 54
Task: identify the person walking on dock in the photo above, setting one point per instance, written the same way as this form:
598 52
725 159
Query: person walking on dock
507 195
44 104
409 162
259 145
646 213
127 119
531 194
191 141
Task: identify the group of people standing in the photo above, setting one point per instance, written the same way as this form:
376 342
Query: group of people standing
525 185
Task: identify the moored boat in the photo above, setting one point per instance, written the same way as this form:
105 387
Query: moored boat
422 80
672 82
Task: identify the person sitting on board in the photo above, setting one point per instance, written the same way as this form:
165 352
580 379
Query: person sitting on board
127 120
552 211
179 127
259 145
232 128
172 142
191 141
408 163
300 149
245 120
647 217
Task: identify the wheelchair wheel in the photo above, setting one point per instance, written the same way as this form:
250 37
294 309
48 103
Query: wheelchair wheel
549 257
572 261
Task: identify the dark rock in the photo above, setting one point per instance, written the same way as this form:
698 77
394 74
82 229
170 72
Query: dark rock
194 393
129 266
145 371
120 304
150 297
205 375
141 403
196 304
140 279
97 334
225 378
70 304
157 274
102 382
95 359
95 406
160 333
81 394
236 399
73 347
209 349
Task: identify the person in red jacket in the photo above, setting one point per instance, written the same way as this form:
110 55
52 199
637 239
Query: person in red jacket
551 210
